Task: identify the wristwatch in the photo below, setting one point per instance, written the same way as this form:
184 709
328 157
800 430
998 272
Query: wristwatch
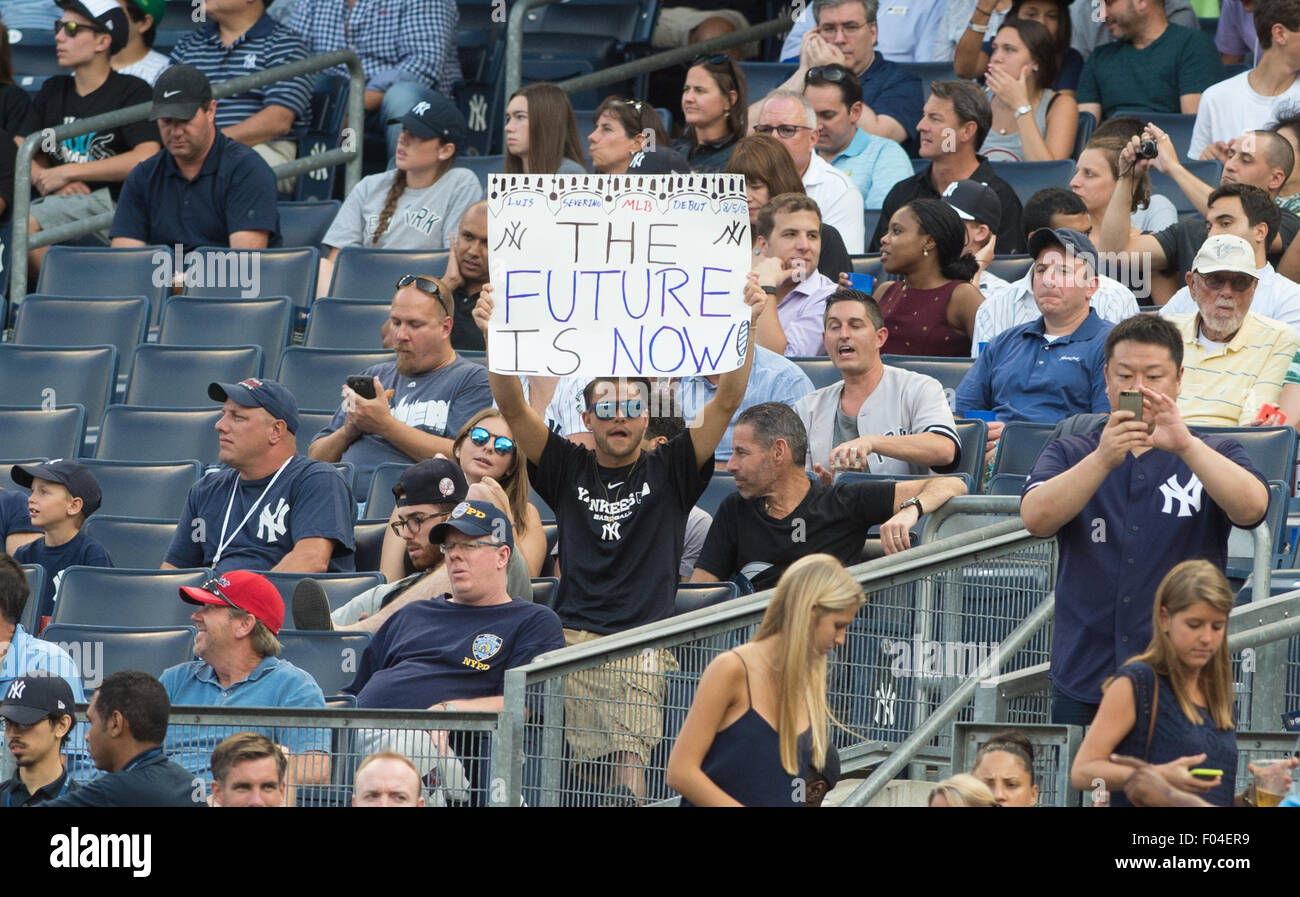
913 502
1023 110
771 291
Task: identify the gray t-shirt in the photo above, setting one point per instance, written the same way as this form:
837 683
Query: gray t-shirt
371 601
846 428
437 402
697 529
423 219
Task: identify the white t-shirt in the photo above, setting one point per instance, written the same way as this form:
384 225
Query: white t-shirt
423 219
839 201
1231 107
148 67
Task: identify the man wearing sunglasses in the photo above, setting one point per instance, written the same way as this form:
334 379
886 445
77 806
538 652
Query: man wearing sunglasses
79 177
421 398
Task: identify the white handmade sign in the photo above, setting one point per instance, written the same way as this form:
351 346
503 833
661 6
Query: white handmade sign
623 275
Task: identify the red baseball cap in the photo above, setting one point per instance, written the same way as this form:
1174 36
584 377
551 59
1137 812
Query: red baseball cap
242 590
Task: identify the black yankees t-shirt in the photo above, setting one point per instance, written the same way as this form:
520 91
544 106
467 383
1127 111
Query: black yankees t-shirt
58 103
830 519
622 530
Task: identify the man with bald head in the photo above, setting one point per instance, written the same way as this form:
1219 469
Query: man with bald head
467 271
387 779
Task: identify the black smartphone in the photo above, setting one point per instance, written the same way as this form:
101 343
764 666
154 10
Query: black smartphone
362 385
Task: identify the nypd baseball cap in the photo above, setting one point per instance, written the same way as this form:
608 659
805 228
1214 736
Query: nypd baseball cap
475 518
973 201
434 481
255 392
179 92
1073 242
242 590
29 699
107 15
1225 253
74 477
435 117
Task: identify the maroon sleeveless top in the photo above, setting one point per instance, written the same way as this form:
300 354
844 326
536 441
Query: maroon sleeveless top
918 321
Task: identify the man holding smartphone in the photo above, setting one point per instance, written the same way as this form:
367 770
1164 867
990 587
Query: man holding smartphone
1127 502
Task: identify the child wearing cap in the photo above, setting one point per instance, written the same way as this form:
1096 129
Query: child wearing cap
64 494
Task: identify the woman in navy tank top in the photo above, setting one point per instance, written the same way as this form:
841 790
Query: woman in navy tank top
759 719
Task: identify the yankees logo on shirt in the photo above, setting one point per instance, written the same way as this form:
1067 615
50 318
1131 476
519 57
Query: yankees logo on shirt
270 524
1188 497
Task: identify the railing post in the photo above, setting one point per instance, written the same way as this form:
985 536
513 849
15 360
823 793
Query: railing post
512 768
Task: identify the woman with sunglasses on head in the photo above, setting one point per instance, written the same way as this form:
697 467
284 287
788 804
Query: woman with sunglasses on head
417 204
1172 705
629 138
715 106
931 311
541 132
1031 122
759 717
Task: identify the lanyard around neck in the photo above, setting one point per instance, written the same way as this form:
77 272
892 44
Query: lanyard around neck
225 541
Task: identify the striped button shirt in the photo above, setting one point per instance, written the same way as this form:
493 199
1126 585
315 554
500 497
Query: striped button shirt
1224 385
396 40
263 46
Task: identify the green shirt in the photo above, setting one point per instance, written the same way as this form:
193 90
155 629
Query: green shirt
1179 62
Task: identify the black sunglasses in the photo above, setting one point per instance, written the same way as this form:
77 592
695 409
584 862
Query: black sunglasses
213 587
715 59
425 285
833 73
74 27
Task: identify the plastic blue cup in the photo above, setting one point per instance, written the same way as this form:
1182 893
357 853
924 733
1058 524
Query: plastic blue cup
986 416
863 282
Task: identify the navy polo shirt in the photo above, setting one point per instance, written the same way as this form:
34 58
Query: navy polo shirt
1023 376
1148 515
890 89
149 780
233 191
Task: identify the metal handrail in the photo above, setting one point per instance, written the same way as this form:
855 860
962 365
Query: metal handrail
351 158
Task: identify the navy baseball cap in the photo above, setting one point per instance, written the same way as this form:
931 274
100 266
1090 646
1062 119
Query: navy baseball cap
29 699
107 15
435 117
973 201
1071 241
74 477
258 393
475 518
434 481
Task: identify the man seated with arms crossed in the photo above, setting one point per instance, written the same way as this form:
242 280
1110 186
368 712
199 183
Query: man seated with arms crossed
248 771
1127 502
623 513
387 779
38 717
1234 360
878 418
779 515
128 721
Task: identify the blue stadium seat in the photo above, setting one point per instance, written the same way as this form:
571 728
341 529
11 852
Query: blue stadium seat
29 431
552 538
1006 484
929 72
129 433
948 371
361 273
870 221
481 52
347 470
1241 543
329 101
33 53
340 588
309 424
120 596
59 321
1010 267
696 595
137 489
117 273
196 321
380 501
305 223
1271 449
134 542
482 166
545 589
554 59
330 657
1176 125
820 370
1019 447
630 21
85 375
346 324
30 618
1087 124
369 537
869 264
974 436
1208 170
258 274
721 485
166 376
761 78
151 650
543 509
316 376
1027 178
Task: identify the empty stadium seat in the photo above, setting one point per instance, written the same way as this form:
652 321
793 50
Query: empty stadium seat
148 649
380 500
167 376
482 166
1027 178
361 273
33 53
69 321
330 657
974 436
346 324
1178 126
32 432
340 588
316 376
948 371
257 274
142 489
696 595
1019 447
929 72
324 128
309 424
545 589
821 371
1087 124
135 542
34 375
119 596
720 486
305 223
129 433
1010 267
369 538
1006 484
761 78
197 321
1208 170
117 273
1271 449
30 618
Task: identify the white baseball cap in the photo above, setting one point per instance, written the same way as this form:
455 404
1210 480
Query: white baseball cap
1224 253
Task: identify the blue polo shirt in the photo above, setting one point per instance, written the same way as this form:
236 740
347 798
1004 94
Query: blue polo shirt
233 191
874 165
273 683
890 89
1149 514
1023 376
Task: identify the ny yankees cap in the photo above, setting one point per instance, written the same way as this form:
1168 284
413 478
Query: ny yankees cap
244 591
29 699
435 117
104 13
258 393
434 481
476 518
1064 238
973 201
74 477
179 92
1225 253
